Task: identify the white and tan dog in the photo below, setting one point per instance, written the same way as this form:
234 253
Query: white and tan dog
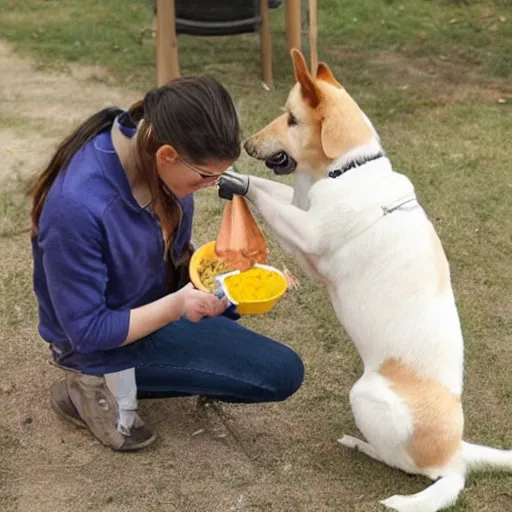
355 224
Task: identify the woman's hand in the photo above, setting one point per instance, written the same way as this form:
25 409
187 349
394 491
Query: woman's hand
198 304
188 301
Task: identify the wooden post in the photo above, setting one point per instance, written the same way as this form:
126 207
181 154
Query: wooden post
313 35
167 60
266 45
293 24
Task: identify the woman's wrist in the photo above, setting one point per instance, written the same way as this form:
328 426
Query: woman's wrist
175 305
153 316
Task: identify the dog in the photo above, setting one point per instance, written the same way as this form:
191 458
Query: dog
355 224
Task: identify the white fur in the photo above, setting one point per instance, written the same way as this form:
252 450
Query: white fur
371 148
381 273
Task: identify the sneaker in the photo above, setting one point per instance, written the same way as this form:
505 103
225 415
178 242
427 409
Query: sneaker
62 404
85 401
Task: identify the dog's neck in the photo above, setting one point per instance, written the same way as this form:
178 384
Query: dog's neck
355 158
303 182
304 178
336 173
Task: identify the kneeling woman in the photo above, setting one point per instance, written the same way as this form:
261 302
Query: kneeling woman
112 216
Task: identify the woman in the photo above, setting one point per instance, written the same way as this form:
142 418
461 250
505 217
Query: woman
112 216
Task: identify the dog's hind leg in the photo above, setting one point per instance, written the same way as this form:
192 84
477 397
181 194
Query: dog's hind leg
417 432
361 446
440 495
384 420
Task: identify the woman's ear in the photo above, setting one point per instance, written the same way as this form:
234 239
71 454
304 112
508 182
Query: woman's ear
166 153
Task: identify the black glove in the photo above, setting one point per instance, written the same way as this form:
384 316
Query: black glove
232 183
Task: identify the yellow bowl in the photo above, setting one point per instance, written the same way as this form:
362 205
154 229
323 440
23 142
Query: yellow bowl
260 306
207 252
249 307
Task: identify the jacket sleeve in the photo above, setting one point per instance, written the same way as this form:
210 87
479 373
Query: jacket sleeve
77 277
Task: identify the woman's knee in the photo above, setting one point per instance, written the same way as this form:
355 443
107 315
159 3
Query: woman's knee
288 375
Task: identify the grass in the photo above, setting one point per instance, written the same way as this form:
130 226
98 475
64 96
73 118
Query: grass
114 34
432 76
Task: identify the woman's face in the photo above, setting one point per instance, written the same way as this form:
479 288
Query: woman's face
182 176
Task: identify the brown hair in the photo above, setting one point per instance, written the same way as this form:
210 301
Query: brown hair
195 115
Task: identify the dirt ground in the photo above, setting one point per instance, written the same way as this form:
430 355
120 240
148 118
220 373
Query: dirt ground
276 457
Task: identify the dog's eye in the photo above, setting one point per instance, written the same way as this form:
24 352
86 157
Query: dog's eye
292 120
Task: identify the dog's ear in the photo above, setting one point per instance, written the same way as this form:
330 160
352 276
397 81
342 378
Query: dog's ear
331 136
325 74
344 126
308 88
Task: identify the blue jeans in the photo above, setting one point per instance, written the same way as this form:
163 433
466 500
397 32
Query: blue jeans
215 357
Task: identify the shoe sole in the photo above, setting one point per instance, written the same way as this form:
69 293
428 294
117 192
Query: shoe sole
139 446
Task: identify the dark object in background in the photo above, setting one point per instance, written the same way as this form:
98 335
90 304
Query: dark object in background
218 17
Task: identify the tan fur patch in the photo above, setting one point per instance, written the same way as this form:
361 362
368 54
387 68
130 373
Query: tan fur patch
343 126
437 415
309 91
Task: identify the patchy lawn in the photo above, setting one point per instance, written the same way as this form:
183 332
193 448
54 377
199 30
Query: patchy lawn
435 79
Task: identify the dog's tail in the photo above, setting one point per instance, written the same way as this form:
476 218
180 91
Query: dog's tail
476 457
441 494
445 491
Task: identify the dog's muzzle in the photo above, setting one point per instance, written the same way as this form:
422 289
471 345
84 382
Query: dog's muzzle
281 163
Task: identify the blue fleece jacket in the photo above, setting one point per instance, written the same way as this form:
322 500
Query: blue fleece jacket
98 254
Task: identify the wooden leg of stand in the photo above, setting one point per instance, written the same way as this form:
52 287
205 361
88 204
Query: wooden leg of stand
167 63
266 45
293 24
313 35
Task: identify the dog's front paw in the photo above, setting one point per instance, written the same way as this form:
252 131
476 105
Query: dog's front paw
399 503
232 183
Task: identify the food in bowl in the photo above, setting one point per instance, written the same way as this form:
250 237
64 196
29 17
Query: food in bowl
208 269
255 284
